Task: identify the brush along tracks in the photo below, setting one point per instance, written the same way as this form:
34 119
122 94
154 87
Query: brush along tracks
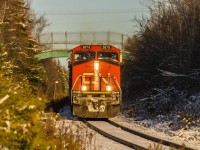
129 137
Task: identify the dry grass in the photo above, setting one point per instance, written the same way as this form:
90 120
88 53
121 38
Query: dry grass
158 146
65 134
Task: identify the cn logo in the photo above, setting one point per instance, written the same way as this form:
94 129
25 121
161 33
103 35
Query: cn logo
95 78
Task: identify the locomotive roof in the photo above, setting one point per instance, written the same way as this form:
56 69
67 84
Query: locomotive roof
98 46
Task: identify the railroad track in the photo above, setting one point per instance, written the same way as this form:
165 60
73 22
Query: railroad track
129 137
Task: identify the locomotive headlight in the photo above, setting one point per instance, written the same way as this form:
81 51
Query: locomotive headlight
108 88
96 65
83 88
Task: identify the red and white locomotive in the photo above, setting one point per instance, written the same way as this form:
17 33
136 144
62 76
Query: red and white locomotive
95 81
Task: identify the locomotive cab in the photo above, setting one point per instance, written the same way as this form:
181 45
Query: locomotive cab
95 81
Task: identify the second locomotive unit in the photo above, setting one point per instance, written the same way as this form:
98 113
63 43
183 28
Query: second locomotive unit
95 90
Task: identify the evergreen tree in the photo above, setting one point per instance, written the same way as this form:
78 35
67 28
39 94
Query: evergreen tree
19 43
2 14
56 76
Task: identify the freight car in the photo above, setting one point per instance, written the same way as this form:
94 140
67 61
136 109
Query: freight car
94 81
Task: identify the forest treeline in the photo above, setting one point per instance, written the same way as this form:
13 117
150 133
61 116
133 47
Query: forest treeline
20 28
27 85
18 45
162 77
166 48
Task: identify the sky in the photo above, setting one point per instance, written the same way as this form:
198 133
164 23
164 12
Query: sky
91 15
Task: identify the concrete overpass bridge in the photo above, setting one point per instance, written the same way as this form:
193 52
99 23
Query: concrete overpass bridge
56 45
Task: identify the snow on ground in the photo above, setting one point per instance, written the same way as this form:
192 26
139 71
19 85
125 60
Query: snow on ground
161 131
99 142
165 112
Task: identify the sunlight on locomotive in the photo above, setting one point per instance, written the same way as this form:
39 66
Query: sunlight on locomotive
84 88
96 65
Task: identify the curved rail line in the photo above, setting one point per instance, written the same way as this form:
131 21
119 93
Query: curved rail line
112 137
152 138
128 137
121 136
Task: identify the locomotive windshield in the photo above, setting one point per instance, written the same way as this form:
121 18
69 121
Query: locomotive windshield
108 56
83 56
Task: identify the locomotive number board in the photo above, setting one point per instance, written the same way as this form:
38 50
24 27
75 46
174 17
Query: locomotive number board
86 46
106 47
103 47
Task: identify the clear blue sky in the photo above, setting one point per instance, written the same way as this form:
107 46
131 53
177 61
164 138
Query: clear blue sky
91 15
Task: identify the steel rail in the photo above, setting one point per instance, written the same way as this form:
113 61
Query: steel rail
131 144
149 137
114 138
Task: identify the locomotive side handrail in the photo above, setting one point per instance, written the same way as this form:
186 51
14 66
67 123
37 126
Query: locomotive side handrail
120 90
74 85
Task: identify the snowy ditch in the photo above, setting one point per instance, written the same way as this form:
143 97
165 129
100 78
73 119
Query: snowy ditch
167 113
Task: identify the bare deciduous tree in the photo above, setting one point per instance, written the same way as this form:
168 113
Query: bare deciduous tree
169 41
